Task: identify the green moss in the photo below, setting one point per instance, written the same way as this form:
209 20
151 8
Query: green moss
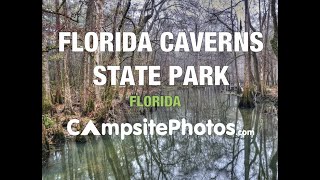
47 121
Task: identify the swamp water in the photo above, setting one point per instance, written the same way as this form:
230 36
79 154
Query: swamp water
178 156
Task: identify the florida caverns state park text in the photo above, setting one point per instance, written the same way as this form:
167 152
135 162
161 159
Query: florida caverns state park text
128 42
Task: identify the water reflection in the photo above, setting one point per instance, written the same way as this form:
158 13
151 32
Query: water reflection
179 156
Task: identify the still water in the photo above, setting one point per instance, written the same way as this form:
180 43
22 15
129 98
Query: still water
179 156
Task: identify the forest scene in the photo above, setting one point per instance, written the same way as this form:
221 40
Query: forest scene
250 100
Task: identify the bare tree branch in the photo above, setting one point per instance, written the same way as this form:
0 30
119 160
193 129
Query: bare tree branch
60 14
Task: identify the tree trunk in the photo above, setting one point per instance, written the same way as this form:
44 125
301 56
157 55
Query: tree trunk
109 90
46 79
271 72
46 95
268 75
274 40
83 93
119 55
58 97
85 98
98 25
234 52
246 100
264 67
256 71
237 73
67 92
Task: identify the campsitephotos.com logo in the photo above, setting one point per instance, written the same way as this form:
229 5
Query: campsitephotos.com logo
149 127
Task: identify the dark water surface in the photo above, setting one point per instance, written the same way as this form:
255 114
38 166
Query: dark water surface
179 156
